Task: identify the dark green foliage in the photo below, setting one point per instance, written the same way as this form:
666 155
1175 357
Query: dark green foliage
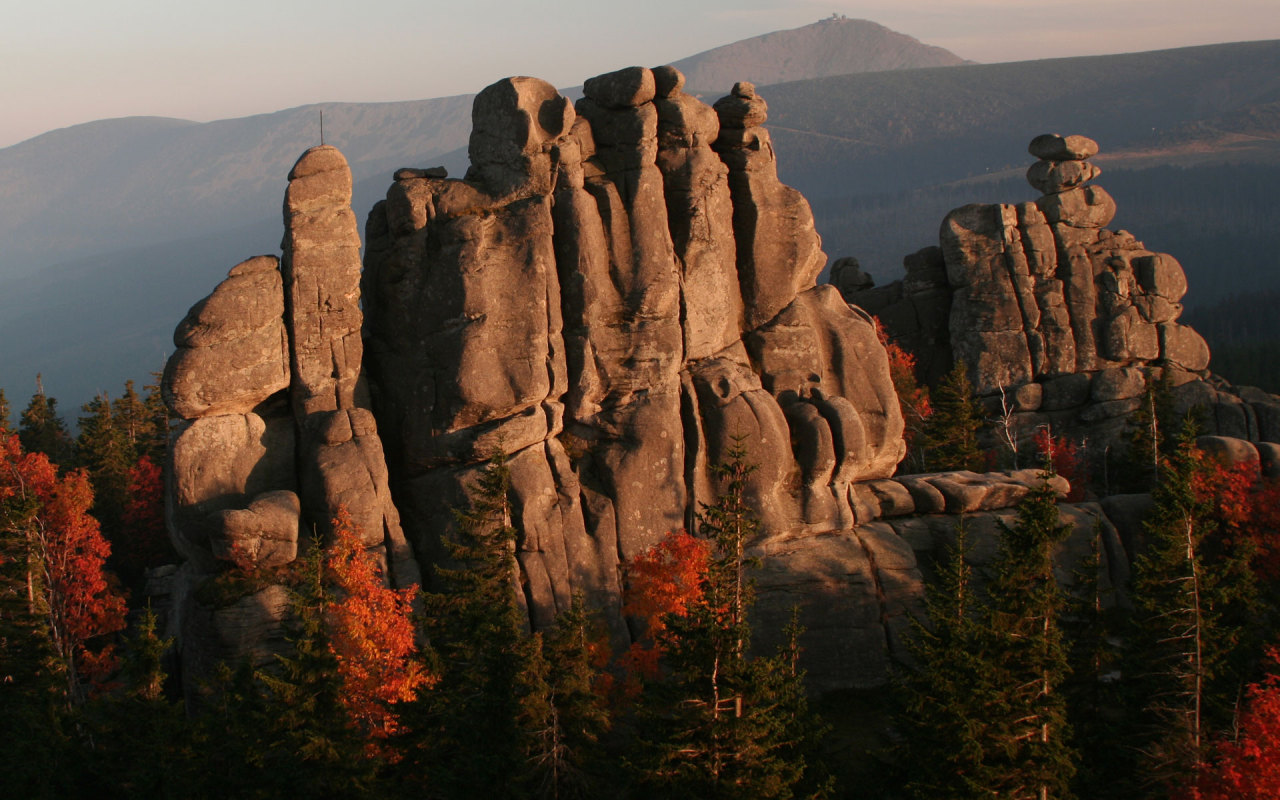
142 747
942 724
1196 602
473 739
563 714
722 722
1095 697
1032 756
104 449
309 747
38 757
951 432
153 436
1149 439
984 714
41 430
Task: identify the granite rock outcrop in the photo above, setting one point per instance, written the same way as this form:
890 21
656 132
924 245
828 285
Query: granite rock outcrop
274 432
1065 319
617 294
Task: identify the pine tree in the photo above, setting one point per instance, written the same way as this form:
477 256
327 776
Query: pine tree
565 715
1032 756
724 723
471 740
41 430
951 431
4 413
945 699
1195 598
104 450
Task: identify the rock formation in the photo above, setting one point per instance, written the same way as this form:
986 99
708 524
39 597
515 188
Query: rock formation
275 431
615 296
615 293
1068 319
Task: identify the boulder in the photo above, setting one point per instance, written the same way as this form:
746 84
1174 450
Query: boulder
1055 147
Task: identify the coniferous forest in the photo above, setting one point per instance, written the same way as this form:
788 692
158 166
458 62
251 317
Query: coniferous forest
1015 686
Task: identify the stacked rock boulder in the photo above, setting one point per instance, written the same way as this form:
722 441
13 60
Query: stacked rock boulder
1068 320
275 434
614 298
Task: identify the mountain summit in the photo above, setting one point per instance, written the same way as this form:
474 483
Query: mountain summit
836 45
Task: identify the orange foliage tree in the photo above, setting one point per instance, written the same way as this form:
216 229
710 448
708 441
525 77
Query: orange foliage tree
146 541
371 635
913 398
65 553
1247 765
663 580
1064 456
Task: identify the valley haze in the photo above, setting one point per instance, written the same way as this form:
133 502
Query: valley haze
110 226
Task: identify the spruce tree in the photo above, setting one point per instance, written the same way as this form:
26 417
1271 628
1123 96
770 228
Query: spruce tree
564 713
1150 438
951 431
471 739
1195 599
1032 756
104 450
131 418
1095 701
945 698
41 430
722 722
311 748
4 413
154 440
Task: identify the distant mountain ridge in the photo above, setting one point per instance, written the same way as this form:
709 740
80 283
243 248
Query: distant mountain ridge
833 46
106 228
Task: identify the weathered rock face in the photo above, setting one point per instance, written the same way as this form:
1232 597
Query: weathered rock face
276 433
615 294
1069 319
615 297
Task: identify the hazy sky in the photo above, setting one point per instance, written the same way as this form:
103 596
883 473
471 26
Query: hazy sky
73 61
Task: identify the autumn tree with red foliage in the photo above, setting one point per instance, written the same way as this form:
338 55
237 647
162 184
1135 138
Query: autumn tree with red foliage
47 517
1064 457
662 581
1247 765
371 635
145 541
913 398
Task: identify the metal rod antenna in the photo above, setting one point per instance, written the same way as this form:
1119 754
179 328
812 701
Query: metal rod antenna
322 127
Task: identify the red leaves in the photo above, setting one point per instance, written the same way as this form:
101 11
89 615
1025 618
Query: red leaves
665 579
371 635
53 514
1065 458
913 399
1247 766
146 541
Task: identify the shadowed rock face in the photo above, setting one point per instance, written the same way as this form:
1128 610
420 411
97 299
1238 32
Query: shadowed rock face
615 294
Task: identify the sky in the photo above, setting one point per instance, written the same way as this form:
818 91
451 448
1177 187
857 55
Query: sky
71 61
